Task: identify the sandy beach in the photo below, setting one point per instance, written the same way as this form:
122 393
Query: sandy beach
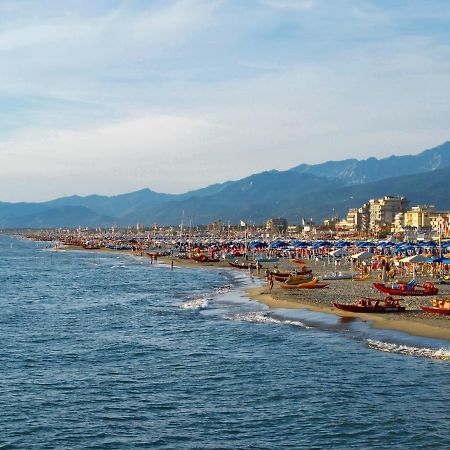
413 321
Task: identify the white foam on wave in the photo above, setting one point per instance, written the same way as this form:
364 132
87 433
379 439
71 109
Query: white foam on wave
224 289
263 317
196 303
434 353
202 301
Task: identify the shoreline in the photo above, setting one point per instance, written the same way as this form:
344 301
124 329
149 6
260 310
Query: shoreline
424 327
413 321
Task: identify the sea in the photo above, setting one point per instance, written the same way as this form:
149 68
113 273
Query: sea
108 351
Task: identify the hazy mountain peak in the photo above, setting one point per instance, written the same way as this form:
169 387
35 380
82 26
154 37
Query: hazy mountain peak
354 171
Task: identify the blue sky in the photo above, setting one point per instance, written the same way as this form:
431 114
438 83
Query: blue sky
112 96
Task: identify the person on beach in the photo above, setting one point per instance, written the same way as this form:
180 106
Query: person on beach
270 282
171 265
383 271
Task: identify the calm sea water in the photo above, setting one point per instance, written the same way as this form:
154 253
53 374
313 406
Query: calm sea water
108 351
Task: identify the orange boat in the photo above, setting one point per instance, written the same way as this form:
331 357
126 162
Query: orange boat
299 279
313 284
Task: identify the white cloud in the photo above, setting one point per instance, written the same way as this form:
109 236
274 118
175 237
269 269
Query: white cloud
175 95
302 5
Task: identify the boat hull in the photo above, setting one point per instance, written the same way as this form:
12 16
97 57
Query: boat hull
442 311
404 292
369 309
337 277
308 285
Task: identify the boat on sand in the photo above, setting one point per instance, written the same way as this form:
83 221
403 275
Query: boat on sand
410 288
439 306
362 277
338 276
299 279
370 305
313 284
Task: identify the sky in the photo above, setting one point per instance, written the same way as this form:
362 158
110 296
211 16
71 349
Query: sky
112 96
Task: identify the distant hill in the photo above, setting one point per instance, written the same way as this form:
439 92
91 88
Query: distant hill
63 216
305 191
116 205
353 171
296 196
256 197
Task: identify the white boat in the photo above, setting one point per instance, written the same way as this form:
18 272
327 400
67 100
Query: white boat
338 276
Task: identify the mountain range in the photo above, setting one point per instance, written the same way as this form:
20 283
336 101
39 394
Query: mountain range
310 191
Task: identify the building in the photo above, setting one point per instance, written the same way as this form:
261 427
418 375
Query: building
383 210
440 223
418 216
350 223
277 225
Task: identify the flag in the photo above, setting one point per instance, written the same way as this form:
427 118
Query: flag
243 223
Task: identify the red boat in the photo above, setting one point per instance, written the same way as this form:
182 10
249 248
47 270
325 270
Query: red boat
407 289
440 306
203 259
370 305
281 275
291 274
429 309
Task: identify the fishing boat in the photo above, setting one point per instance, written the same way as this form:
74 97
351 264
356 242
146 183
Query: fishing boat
427 288
439 306
370 305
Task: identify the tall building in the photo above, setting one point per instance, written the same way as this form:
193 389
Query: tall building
418 216
350 223
277 225
383 210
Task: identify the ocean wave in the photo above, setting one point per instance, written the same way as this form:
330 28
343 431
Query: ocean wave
196 303
224 289
434 353
263 317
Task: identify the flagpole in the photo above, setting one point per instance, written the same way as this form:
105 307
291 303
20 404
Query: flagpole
245 241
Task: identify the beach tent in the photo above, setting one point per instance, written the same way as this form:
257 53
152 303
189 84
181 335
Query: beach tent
338 253
414 259
363 255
